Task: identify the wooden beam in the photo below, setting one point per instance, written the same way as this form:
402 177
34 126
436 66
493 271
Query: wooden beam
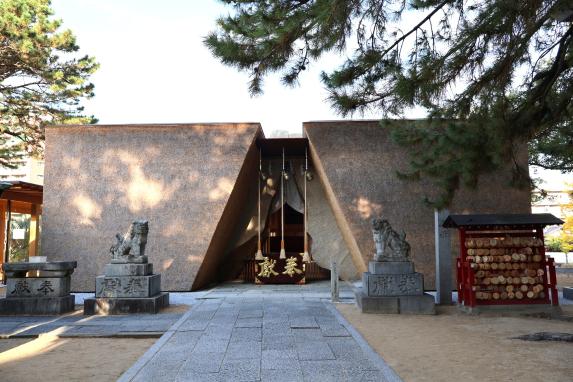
7 231
20 207
34 198
34 233
3 208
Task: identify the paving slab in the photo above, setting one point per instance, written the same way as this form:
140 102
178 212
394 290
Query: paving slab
303 322
314 351
241 370
249 322
202 363
78 325
246 334
306 335
276 341
283 375
243 350
323 370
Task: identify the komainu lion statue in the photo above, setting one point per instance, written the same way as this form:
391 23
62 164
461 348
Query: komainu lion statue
390 246
131 246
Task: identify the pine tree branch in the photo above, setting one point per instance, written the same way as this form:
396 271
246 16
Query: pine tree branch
416 27
560 167
10 88
558 66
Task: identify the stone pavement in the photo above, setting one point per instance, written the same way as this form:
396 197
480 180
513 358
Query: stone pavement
262 333
78 325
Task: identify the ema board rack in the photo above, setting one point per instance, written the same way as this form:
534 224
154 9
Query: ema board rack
502 260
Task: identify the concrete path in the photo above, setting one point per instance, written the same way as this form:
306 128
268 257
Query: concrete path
261 333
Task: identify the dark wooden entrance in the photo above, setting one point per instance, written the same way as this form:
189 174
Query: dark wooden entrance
291 153
283 271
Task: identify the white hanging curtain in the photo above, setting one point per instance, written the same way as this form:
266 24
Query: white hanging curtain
292 195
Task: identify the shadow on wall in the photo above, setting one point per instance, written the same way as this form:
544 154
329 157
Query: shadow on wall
177 178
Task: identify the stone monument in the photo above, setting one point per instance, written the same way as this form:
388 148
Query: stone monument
391 285
128 284
38 288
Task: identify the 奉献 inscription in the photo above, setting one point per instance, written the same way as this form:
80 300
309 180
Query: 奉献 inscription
110 285
290 267
134 286
21 288
45 287
38 287
394 285
267 268
128 286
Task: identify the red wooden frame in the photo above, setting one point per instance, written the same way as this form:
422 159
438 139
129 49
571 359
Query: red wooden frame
466 274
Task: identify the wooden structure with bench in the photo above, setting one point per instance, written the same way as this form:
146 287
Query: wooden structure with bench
18 197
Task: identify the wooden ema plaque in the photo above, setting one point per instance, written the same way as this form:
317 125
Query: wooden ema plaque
504 267
274 270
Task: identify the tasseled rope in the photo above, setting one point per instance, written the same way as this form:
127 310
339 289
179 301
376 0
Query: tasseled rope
283 252
259 254
305 255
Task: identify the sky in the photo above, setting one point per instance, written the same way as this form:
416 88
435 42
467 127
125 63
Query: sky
155 68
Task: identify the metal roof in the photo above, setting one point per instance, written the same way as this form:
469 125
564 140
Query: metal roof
496 220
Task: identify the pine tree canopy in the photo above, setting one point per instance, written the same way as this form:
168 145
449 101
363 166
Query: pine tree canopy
493 75
41 82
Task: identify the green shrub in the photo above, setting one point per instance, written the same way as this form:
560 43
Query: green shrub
554 244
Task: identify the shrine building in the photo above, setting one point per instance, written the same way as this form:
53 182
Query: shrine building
214 194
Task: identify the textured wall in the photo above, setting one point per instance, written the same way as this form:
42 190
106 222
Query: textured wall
357 162
234 221
196 185
179 177
327 241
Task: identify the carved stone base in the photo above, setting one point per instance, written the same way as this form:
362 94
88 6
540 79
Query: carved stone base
109 306
128 286
37 305
38 287
421 304
389 285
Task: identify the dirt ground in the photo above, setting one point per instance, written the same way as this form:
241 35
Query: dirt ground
564 280
69 359
452 346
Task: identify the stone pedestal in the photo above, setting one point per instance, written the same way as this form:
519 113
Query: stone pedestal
38 288
443 242
127 287
393 287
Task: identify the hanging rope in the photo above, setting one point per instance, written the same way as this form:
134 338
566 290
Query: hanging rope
259 254
282 252
305 255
